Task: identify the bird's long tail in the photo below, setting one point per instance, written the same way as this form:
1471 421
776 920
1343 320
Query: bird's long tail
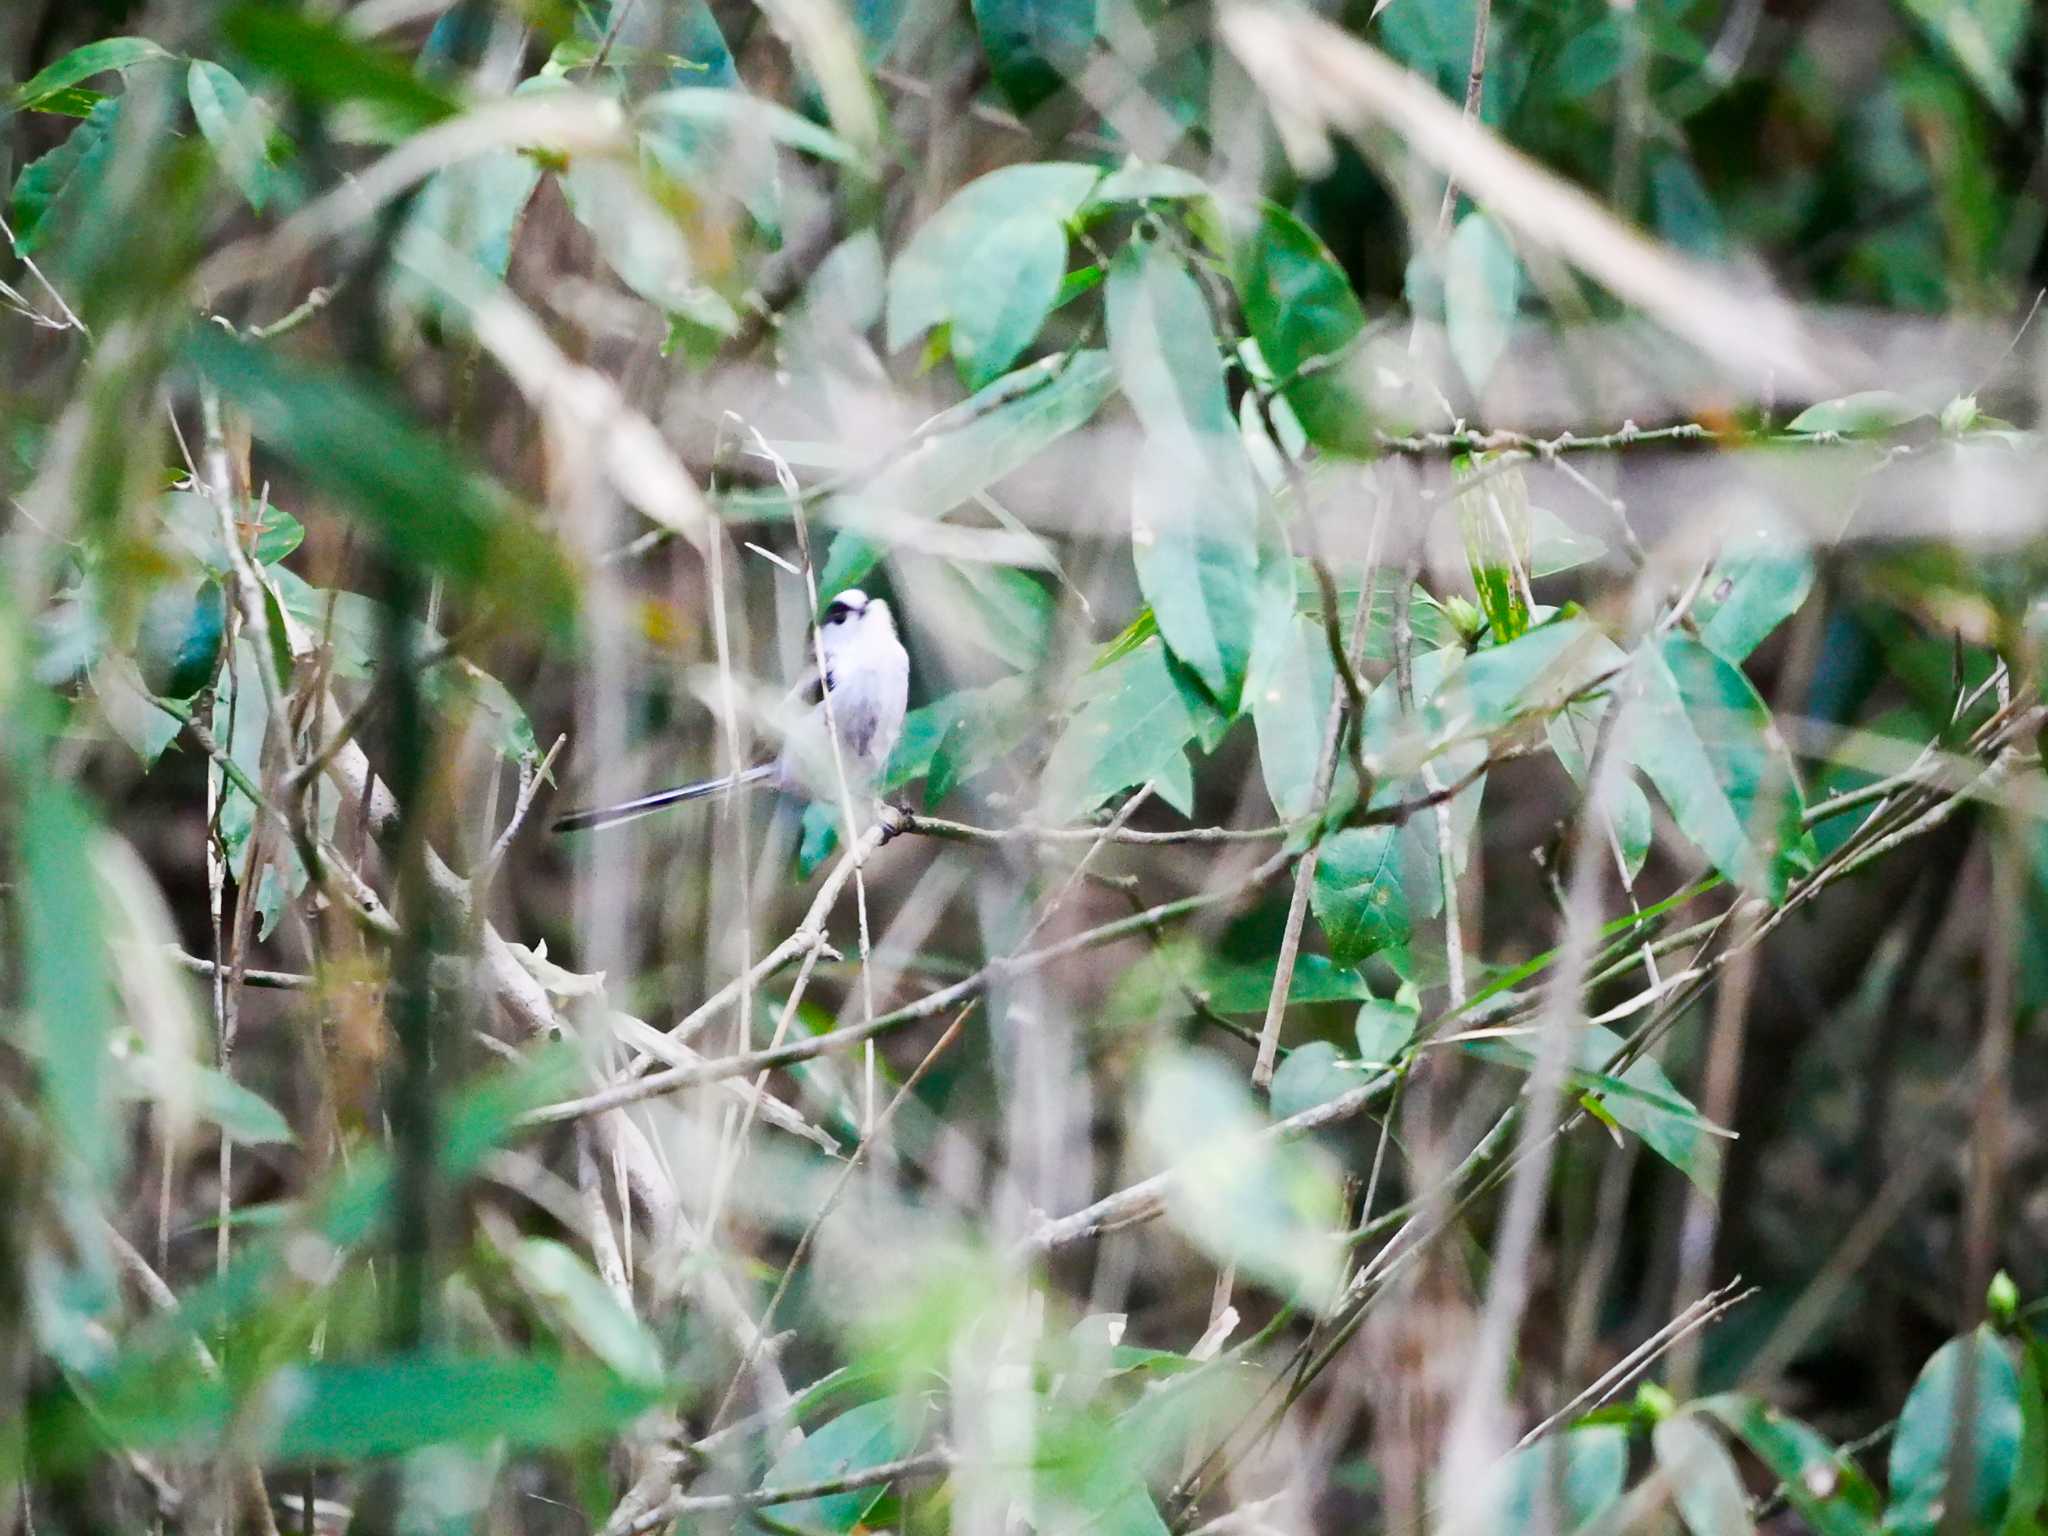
647 805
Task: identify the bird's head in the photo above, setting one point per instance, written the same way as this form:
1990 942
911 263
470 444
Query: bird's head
853 611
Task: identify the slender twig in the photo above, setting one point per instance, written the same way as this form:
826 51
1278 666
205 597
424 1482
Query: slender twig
838 1189
1701 1314
926 1464
1343 692
284 981
531 777
930 1006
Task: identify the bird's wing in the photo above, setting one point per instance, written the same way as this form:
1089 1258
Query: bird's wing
807 692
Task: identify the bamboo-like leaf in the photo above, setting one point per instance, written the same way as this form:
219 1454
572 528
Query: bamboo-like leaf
413 492
1193 528
1707 742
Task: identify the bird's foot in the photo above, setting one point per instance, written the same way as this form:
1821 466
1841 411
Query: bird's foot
895 820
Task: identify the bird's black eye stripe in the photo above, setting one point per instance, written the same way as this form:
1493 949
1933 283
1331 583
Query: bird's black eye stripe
835 614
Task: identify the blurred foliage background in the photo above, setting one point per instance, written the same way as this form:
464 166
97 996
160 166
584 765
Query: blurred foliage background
1455 941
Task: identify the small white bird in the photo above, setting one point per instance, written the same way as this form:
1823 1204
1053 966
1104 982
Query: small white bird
867 674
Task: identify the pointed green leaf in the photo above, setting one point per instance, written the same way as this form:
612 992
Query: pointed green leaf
1134 723
990 264
973 446
1288 690
1704 1482
588 1308
64 179
320 60
1482 292
1195 502
1874 410
1827 1489
1248 987
642 241
1753 590
1269 1207
1312 1074
1360 895
1574 731
426 504
1562 1483
863 1437
1383 1030
1307 321
83 63
69 987
238 129
1923 1444
1707 742
1640 1098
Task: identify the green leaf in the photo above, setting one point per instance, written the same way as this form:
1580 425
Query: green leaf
69 989
1562 1483
1035 46
868 1436
192 520
1195 502
1288 688
2030 1477
1481 695
1312 1074
719 115
991 724
1004 612
1555 546
1970 32
238 129
246 1116
1268 1207
1134 723
1248 988
350 1411
1707 741
1925 1438
240 717
120 53
1640 1099
1482 293
586 1307
1827 1489
1143 181
326 65
924 730
989 265
1360 892
973 446
51 190
1494 518
470 696
1873 410
1383 1030
1589 61
1704 1482
472 208
1573 732
427 505
1307 321
1684 210
1753 591
641 241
